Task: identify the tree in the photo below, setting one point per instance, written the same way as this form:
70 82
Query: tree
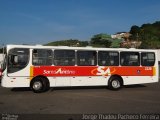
135 31
71 42
101 40
116 43
148 34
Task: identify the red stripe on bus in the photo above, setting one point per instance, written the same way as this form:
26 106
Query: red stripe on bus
92 71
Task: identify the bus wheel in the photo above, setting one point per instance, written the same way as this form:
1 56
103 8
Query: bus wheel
39 84
115 83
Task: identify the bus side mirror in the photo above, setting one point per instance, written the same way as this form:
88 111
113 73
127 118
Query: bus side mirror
15 59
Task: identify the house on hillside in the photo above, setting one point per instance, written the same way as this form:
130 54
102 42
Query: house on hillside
121 35
126 40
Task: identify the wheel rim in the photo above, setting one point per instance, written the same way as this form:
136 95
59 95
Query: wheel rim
37 85
115 84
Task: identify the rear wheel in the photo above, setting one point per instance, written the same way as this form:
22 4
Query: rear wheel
115 83
39 84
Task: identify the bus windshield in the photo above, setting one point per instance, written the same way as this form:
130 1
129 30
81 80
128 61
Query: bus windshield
17 59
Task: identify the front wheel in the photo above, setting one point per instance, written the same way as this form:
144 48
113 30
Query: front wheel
115 83
39 85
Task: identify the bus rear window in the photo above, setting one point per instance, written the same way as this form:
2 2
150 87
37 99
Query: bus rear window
147 59
130 58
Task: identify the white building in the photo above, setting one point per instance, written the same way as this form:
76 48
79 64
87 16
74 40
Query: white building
121 35
1 59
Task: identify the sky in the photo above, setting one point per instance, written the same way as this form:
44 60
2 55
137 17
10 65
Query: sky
43 21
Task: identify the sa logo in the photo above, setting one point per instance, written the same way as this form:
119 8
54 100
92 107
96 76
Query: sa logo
104 71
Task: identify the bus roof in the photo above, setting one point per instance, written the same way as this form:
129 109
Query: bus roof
76 48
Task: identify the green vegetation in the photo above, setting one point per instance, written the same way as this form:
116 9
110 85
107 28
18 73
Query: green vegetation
101 40
148 34
116 43
71 42
105 40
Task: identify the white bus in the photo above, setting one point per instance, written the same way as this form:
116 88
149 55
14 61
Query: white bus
42 67
2 56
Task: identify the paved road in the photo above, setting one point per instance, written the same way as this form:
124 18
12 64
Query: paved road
131 99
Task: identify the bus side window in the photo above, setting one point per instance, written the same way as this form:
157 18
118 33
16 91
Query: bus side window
86 58
64 57
42 57
108 58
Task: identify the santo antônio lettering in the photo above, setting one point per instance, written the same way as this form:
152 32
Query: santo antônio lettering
58 71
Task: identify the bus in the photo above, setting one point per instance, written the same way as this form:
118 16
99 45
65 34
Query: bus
2 55
41 67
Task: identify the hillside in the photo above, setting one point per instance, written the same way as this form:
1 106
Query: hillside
70 42
148 34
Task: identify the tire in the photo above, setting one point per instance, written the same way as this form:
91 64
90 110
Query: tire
39 84
115 83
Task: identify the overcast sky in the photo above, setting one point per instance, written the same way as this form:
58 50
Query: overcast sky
43 21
